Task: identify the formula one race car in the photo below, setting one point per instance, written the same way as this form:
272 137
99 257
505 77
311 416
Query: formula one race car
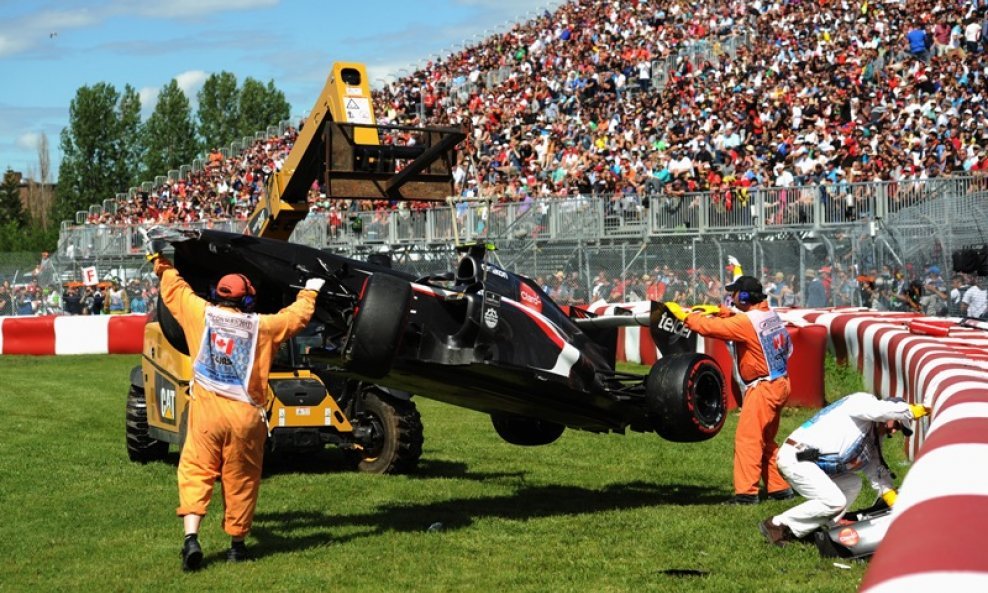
479 337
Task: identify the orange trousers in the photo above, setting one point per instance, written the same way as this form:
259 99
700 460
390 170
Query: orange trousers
225 440
754 441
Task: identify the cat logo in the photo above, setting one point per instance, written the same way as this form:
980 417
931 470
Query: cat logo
166 399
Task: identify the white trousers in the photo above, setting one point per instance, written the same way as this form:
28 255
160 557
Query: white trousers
827 497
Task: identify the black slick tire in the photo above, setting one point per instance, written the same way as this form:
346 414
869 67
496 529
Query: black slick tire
378 324
685 397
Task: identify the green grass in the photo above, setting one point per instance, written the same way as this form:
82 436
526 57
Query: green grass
591 512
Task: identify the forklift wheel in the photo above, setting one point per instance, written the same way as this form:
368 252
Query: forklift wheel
141 447
395 443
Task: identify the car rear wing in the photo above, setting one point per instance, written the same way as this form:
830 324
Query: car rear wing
670 335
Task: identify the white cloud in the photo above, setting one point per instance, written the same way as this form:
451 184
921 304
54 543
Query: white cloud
190 82
28 141
190 8
149 98
35 29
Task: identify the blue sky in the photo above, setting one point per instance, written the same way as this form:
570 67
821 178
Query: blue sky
51 48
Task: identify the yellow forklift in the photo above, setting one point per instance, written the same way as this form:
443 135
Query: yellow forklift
341 145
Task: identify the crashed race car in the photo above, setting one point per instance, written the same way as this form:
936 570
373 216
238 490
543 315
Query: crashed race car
478 337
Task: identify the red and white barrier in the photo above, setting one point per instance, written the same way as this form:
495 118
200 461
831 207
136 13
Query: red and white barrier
72 334
936 540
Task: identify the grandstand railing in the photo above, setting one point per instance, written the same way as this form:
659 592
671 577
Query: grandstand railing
623 216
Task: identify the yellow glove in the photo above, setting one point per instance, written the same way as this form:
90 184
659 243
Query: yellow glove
676 311
918 410
889 497
706 309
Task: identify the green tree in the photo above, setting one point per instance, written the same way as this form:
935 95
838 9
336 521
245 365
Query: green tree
131 147
11 209
90 150
260 106
219 110
169 134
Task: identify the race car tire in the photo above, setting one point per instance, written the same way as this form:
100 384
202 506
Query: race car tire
396 439
526 431
378 323
173 332
686 398
140 446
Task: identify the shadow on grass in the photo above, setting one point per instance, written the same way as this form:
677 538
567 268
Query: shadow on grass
273 531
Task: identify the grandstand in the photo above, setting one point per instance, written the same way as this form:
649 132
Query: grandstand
796 136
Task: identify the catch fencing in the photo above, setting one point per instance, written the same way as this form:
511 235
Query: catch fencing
834 233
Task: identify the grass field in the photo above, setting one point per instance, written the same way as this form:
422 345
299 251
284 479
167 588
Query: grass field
590 513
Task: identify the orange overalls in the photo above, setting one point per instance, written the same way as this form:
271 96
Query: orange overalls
225 437
754 441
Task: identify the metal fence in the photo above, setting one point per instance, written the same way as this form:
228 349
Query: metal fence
831 232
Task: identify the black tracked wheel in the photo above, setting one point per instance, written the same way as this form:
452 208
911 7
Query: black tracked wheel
141 447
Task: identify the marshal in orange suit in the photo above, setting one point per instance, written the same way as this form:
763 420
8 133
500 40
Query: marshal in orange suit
231 351
762 349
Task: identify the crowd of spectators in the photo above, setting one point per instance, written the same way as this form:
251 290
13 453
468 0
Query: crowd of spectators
884 289
111 297
826 92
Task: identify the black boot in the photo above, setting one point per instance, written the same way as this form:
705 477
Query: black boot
238 552
191 553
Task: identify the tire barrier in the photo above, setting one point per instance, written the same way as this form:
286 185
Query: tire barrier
935 541
72 334
805 368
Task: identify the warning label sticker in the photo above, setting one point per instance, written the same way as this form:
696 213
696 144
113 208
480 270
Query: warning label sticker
358 110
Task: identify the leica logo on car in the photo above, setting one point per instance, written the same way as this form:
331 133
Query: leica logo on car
672 325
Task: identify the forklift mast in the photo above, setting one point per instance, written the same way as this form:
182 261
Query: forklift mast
341 145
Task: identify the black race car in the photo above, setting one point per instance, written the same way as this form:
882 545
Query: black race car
479 337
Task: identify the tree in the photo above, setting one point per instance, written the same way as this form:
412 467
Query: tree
39 188
11 209
260 106
90 150
131 147
219 110
169 134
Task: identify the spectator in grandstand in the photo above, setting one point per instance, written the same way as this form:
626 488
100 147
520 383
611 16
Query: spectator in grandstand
23 302
72 301
911 296
974 303
6 300
934 299
118 302
958 286
815 292
97 301
226 432
138 302
763 349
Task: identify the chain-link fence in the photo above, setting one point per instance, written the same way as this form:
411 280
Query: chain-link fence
854 244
